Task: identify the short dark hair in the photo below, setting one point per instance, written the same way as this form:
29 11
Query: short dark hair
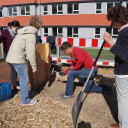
65 45
15 23
122 16
9 23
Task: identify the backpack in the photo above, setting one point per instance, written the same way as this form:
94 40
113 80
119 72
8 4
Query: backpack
5 91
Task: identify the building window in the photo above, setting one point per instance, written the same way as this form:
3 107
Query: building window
114 32
1 29
73 9
45 31
1 14
12 11
25 10
45 10
57 9
58 31
97 32
98 7
72 32
112 4
127 5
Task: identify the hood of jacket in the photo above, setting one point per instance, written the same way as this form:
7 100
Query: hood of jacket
27 30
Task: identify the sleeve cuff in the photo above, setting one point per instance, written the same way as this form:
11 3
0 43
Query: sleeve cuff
66 72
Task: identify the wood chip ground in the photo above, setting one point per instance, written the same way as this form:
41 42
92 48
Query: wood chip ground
98 111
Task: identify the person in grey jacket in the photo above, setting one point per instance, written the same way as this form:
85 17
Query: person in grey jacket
23 48
120 50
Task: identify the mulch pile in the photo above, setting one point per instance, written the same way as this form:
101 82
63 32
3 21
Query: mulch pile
45 114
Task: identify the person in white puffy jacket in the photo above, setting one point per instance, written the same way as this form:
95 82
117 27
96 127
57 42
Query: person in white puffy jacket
23 46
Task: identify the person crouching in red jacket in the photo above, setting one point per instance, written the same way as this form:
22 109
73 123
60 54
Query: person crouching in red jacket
80 67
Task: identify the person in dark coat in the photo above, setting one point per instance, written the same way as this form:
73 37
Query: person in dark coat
6 38
120 50
52 42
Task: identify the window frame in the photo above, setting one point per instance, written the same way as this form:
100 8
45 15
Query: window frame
97 36
44 10
59 34
112 33
73 9
113 4
25 7
127 5
73 34
98 9
45 33
1 12
58 12
12 11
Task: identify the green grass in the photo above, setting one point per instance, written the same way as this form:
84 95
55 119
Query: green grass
105 54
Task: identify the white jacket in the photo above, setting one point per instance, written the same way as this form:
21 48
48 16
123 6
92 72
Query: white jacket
23 46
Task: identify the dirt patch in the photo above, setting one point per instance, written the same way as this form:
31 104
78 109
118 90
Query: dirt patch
98 111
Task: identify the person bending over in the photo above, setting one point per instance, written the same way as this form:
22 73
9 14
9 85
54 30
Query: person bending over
81 67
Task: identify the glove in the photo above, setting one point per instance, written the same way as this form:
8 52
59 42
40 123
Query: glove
70 68
62 73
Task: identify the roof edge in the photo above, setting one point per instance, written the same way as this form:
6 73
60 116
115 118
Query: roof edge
81 1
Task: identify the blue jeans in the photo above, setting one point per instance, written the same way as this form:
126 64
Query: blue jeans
22 72
13 75
82 73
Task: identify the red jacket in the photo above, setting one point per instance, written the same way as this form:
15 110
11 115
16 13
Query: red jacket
80 59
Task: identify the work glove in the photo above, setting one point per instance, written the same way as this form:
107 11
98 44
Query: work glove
70 68
62 73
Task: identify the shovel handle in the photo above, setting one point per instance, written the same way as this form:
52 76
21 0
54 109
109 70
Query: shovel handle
109 31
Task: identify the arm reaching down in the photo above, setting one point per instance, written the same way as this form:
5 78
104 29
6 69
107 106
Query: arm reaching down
30 49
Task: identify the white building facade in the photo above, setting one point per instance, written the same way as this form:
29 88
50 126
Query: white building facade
93 7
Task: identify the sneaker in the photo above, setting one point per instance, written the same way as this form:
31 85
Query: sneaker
31 102
63 96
